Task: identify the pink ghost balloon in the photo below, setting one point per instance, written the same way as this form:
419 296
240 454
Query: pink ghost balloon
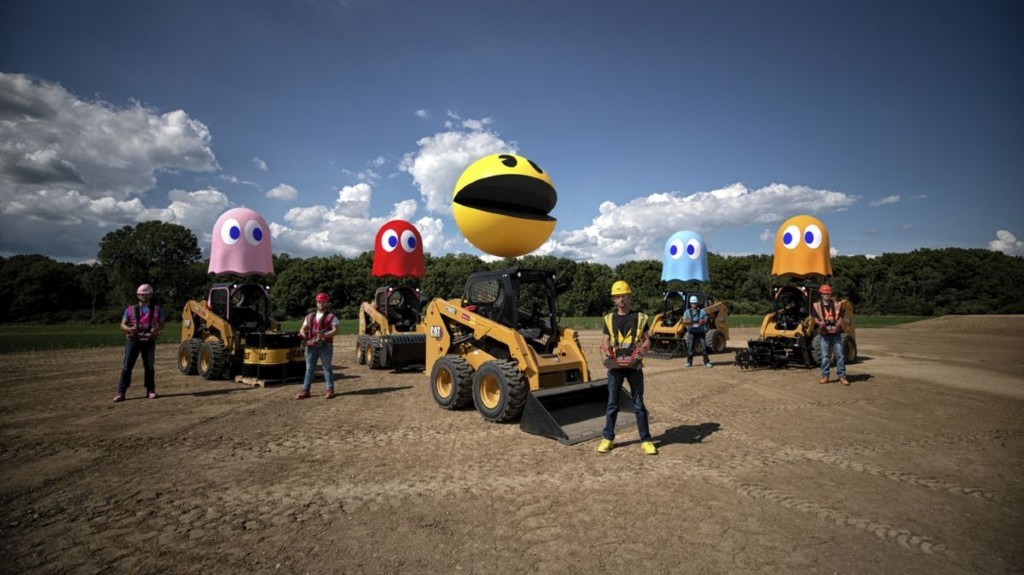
398 251
241 244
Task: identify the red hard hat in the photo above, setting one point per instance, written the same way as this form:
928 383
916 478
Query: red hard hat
322 297
826 289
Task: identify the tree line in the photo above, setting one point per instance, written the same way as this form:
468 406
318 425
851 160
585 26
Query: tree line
927 282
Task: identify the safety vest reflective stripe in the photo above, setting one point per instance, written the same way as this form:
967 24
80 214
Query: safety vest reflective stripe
618 338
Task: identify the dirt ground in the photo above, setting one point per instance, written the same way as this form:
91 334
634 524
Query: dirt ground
915 468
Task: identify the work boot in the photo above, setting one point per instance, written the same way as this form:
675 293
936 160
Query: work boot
605 446
329 394
303 394
649 448
844 381
824 379
119 398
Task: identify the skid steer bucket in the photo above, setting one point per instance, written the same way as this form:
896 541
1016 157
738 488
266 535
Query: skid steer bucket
574 413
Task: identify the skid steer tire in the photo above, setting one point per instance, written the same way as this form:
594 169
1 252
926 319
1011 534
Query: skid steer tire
715 341
816 350
188 356
451 382
360 350
499 390
373 356
213 361
849 349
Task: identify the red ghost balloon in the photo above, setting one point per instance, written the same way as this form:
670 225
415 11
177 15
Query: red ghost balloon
398 251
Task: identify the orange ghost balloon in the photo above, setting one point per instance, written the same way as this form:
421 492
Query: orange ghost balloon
802 248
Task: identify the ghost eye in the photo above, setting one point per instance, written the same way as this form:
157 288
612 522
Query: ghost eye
536 167
230 232
509 161
389 241
253 232
813 236
791 237
693 249
408 241
675 249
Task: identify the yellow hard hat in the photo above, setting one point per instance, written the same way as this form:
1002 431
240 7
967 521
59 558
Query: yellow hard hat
621 288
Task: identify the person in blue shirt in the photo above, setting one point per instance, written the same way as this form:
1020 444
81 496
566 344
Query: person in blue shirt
141 324
696 321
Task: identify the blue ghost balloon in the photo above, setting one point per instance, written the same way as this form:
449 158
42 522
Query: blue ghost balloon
685 258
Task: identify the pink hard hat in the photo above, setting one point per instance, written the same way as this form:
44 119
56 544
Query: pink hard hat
144 289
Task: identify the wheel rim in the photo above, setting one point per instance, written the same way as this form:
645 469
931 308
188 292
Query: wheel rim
490 391
183 358
444 384
204 362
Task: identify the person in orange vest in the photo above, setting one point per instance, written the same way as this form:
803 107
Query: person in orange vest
141 324
318 331
828 314
624 345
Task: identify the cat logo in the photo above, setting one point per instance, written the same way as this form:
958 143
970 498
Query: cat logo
435 331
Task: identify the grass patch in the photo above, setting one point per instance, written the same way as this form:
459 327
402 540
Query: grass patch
32 337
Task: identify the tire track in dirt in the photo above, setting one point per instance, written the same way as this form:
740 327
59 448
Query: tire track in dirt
788 454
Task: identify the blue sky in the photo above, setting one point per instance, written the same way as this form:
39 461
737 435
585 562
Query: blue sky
898 124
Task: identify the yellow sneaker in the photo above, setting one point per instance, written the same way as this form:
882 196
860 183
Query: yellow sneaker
605 446
649 448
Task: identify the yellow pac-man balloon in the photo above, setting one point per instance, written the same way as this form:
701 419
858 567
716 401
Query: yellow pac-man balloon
501 204
802 248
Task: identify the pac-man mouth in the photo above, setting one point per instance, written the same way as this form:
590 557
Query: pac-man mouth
511 195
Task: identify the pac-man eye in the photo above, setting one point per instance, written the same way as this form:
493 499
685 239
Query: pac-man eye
389 240
791 237
536 167
408 241
813 236
675 249
230 232
509 161
253 232
693 249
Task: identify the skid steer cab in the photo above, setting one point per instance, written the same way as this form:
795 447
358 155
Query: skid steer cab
500 348
668 330
231 333
789 334
391 330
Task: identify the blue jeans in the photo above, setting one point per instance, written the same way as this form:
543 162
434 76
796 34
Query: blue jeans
695 338
132 350
325 354
635 377
835 342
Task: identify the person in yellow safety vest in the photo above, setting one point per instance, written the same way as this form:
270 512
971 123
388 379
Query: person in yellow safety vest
829 316
624 345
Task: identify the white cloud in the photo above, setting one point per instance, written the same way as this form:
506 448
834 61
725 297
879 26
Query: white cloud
441 159
422 114
637 229
283 192
347 228
259 163
80 168
1007 243
885 200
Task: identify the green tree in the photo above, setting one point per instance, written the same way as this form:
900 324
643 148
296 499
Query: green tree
152 252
